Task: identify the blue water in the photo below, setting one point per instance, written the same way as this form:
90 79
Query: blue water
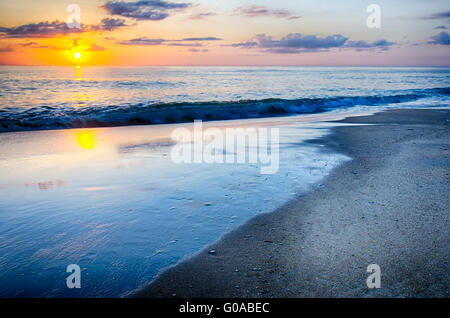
66 97
112 201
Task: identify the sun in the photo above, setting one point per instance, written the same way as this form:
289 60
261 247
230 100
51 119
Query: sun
77 55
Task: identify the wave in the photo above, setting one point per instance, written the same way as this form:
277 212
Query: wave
46 117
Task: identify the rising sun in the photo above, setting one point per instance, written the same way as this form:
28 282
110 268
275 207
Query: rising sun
77 55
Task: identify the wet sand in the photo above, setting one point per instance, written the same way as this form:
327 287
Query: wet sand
390 206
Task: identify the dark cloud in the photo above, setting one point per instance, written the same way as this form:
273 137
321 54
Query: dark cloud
40 30
298 43
144 9
245 45
201 16
143 41
180 42
442 38
48 29
183 44
209 38
441 27
361 45
110 24
439 15
253 11
293 43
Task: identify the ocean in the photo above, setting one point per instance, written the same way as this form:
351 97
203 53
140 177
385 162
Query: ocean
105 194
68 97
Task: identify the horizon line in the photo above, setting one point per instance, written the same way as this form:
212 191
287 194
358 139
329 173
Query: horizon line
218 65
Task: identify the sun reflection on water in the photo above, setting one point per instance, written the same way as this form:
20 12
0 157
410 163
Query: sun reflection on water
78 73
86 139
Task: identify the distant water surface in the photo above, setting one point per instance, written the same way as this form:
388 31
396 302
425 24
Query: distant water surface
70 97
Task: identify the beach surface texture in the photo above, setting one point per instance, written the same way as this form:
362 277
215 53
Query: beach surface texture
388 206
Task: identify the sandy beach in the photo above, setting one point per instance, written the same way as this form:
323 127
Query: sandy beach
388 206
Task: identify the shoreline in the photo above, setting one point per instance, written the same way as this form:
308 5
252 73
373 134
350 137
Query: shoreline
386 206
108 184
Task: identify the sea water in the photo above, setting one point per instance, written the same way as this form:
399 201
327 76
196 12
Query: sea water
65 97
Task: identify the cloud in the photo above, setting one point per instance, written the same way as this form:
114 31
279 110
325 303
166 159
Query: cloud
48 29
35 45
293 43
110 24
194 50
31 44
201 16
143 41
298 43
439 15
40 30
441 27
209 38
143 10
442 38
361 45
246 45
253 11
96 48
6 49
183 44
178 42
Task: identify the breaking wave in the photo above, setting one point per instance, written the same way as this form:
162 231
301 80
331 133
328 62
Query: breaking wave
47 117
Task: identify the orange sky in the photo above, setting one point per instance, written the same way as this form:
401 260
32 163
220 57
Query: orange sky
415 33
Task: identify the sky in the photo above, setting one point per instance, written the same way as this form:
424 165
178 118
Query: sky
226 32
